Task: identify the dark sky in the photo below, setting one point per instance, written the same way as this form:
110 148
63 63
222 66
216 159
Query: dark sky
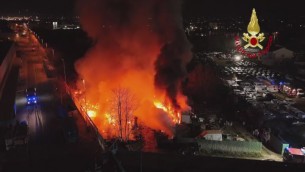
56 7
271 8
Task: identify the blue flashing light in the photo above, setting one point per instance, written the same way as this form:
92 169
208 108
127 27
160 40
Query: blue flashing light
31 100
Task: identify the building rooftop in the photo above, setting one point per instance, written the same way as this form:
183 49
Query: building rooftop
206 132
295 151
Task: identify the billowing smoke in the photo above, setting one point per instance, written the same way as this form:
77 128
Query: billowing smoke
176 50
139 45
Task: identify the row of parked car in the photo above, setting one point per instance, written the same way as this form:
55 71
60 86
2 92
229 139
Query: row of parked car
253 92
245 64
259 94
263 100
281 109
249 72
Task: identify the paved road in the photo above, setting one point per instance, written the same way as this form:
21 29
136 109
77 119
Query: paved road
32 75
47 148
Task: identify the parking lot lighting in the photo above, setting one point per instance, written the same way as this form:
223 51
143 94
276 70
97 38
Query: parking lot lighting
237 57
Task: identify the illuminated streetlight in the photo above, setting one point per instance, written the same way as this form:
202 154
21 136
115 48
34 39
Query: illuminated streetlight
237 58
53 52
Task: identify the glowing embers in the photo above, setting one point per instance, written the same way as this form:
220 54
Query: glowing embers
91 113
110 119
89 108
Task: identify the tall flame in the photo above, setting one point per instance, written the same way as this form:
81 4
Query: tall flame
253 27
175 116
139 46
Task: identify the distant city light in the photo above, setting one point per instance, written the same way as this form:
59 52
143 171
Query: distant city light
24 18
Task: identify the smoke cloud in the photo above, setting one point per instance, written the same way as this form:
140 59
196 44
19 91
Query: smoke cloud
137 44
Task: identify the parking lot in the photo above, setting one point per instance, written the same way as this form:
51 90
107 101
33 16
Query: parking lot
262 88
256 84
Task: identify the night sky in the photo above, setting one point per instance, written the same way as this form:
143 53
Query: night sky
54 7
270 8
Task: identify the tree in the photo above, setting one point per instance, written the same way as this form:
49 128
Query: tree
123 106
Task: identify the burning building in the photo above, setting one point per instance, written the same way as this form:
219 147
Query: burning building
136 64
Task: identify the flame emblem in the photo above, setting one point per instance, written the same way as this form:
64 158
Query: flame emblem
253 30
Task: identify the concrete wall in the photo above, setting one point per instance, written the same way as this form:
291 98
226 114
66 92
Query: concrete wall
230 146
162 162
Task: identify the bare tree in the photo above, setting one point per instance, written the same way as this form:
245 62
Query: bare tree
124 104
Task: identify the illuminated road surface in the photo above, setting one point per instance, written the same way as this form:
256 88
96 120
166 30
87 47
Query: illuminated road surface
32 75
47 149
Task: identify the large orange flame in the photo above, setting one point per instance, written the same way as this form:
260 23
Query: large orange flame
134 43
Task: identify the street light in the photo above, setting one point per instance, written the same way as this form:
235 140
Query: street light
53 52
237 57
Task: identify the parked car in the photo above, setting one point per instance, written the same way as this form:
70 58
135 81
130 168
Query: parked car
268 97
259 87
272 88
300 115
300 92
269 115
285 114
258 97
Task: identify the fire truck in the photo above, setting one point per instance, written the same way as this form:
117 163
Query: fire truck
291 91
294 155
